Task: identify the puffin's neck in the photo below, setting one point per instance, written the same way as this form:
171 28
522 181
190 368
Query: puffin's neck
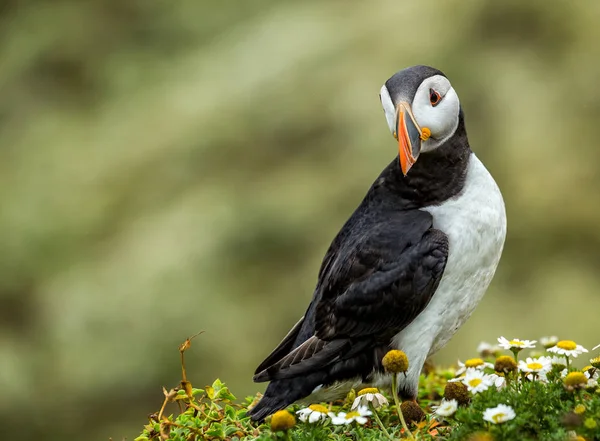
436 176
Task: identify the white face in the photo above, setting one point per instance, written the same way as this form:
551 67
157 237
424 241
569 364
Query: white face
435 106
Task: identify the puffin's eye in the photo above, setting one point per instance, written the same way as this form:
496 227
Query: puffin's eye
434 97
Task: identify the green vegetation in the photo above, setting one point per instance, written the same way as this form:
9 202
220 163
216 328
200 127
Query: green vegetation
530 399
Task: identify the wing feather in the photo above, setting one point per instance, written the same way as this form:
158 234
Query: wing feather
371 285
283 348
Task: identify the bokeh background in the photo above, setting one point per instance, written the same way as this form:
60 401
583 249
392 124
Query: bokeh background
168 167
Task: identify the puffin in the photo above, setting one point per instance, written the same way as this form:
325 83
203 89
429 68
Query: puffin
407 268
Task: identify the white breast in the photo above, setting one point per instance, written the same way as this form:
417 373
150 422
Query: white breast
475 223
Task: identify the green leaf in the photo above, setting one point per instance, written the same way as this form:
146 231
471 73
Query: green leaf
210 392
219 391
230 411
215 430
231 430
196 391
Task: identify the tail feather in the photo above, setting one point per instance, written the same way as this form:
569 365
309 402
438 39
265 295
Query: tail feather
281 393
358 363
267 406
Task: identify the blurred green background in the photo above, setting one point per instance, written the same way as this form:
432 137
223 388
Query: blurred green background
174 166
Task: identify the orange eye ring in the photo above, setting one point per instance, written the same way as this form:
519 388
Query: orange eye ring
434 97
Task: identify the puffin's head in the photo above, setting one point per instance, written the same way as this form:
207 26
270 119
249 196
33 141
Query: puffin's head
422 111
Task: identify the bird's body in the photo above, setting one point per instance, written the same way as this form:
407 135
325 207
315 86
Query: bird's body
475 223
408 267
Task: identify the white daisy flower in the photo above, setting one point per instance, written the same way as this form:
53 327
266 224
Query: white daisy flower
568 348
542 378
485 349
592 378
359 415
499 414
564 373
548 342
369 395
446 408
476 381
340 418
558 361
313 413
541 365
516 343
484 346
454 380
475 363
499 381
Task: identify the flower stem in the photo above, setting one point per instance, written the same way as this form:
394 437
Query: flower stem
567 358
502 430
397 401
515 352
380 423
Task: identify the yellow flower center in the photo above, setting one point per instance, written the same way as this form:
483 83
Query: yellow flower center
475 382
535 366
473 362
567 345
517 343
575 379
499 417
318 408
351 415
368 390
579 409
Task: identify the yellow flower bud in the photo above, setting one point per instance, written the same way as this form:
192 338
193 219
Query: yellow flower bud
575 380
282 420
395 361
505 364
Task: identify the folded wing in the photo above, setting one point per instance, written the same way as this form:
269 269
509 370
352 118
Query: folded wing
368 290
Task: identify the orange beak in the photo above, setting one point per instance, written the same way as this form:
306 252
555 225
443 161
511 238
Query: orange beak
409 137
